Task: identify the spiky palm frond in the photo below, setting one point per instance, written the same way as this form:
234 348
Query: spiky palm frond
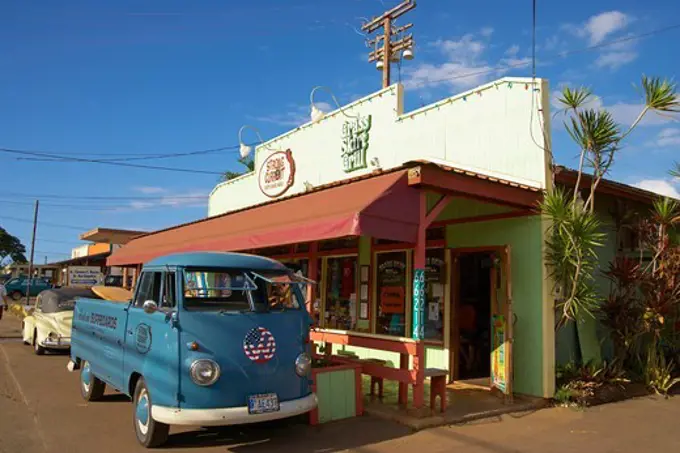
660 95
575 98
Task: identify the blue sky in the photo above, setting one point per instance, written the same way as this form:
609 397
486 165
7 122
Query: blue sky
90 78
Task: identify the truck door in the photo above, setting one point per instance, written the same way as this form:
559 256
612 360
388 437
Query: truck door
151 347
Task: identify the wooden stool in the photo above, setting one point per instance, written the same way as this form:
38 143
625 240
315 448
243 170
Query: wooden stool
379 381
375 380
437 387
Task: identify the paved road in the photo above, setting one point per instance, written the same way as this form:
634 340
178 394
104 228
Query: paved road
41 411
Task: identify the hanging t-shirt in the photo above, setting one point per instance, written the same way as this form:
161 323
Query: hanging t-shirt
347 278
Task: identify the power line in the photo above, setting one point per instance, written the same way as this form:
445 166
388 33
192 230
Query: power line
132 157
58 158
97 208
56 225
94 197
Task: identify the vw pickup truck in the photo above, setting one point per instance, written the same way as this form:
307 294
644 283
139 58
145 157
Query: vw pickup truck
208 339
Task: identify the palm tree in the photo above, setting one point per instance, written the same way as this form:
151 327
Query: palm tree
249 163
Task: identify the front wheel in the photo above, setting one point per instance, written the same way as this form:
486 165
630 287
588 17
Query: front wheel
91 387
16 295
39 350
150 433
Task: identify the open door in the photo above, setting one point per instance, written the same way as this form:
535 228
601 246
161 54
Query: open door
502 319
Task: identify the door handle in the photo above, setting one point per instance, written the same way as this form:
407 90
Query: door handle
130 332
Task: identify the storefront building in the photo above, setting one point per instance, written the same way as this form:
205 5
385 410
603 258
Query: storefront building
421 229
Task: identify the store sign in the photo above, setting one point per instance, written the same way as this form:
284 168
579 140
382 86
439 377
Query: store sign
355 143
435 270
392 299
84 276
277 174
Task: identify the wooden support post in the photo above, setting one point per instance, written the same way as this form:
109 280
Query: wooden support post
403 388
313 275
125 278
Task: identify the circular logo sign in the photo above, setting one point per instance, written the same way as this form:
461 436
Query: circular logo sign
259 345
143 338
277 174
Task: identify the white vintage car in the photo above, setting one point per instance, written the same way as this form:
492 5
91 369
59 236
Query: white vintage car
48 325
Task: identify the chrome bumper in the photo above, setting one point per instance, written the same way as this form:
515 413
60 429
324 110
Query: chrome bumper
59 343
230 415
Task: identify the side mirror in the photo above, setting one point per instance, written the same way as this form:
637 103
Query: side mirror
150 307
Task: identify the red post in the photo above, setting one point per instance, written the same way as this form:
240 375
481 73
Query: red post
313 275
403 387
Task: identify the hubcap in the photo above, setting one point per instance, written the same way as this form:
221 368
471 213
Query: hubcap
85 377
142 412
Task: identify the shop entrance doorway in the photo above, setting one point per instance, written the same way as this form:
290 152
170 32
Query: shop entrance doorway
481 331
473 294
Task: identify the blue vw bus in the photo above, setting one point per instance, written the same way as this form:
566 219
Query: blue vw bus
208 339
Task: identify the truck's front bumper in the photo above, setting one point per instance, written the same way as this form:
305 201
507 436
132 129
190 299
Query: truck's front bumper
230 415
56 343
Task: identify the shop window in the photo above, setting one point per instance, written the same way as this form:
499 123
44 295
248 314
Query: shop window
387 242
435 279
301 267
339 244
391 319
341 294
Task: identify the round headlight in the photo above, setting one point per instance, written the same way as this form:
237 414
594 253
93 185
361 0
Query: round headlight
303 364
52 336
204 372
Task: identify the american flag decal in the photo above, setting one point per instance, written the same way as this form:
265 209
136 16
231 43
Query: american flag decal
259 345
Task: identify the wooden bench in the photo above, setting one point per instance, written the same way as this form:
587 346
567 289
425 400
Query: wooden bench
437 387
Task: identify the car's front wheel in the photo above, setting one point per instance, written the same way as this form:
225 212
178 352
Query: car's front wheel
39 350
150 433
16 295
91 387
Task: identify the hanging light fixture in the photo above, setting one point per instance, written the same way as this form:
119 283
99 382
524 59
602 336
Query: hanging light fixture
317 114
245 150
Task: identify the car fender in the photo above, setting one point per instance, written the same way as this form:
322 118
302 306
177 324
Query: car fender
44 326
28 327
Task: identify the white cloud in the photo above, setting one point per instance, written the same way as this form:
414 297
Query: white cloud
296 116
600 26
660 186
189 199
668 137
614 60
486 32
512 50
464 67
149 189
626 113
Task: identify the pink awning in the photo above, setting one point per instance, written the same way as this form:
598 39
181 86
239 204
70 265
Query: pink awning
383 207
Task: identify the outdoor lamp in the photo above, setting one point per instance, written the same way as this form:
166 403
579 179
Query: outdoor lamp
244 149
316 113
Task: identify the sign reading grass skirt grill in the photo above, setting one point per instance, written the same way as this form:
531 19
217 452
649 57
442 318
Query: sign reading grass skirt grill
338 390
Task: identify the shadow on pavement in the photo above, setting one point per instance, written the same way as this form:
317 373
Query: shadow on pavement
293 436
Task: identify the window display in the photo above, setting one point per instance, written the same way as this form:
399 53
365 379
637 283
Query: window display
435 279
391 271
341 293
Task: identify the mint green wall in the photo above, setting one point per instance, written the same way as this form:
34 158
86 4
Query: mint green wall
464 207
336 393
524 236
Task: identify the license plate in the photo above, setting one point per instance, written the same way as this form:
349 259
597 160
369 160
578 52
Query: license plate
260 404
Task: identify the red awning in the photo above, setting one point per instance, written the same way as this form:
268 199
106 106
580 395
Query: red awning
384 207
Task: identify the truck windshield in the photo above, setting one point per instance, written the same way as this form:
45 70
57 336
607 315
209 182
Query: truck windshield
230 290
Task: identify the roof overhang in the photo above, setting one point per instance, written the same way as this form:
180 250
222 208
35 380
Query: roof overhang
111 235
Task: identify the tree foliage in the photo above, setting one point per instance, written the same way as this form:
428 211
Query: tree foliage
11 247
247 162
574 237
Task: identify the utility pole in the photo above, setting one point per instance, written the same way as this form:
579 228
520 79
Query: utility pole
30 263
390 50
